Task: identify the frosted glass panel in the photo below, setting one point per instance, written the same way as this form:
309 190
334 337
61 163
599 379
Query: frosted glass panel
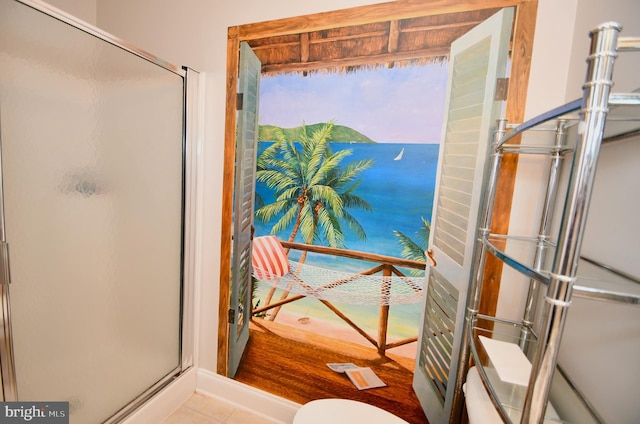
92 169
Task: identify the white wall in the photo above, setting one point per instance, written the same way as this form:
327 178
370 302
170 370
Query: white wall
86 10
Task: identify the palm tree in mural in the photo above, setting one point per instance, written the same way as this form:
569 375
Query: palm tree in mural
313 191
415 250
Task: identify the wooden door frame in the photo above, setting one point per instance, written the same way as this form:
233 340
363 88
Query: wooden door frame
522 47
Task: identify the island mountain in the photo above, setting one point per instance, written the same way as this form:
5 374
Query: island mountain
339 133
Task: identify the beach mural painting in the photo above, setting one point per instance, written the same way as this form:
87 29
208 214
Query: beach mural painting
381 127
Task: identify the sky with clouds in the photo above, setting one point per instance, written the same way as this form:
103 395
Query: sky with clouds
398 105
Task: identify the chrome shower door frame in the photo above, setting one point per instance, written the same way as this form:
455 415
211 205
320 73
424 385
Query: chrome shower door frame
190 160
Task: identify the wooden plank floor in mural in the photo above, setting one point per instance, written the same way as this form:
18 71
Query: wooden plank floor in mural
291 363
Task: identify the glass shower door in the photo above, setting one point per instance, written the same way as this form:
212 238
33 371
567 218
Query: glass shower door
92 174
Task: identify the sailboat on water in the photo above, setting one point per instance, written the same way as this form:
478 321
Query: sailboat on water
399 155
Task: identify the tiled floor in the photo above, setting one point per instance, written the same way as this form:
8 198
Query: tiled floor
199 409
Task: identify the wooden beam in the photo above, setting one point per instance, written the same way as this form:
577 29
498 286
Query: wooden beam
400 9
401 342
394 36
280 45
276 304
233 47
440 27
304 47
418 55
354 254
358 36
394 31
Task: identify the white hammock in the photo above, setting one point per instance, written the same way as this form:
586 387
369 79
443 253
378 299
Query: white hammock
271 265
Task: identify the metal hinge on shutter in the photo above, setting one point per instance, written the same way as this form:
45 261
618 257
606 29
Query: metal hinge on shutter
239 101
502 88
232 316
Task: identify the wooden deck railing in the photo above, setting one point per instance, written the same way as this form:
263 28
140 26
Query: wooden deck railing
387 265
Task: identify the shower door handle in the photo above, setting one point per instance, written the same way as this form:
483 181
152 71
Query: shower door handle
5 276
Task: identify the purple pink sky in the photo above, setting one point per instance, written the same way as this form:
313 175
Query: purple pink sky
398 105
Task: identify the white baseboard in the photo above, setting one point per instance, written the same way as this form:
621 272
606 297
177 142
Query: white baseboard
166 401
246 397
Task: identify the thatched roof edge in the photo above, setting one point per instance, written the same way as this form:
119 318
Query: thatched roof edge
328 68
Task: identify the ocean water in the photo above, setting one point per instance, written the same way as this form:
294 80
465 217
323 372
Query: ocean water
400 193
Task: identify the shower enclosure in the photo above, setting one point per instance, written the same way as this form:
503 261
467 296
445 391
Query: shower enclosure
93 209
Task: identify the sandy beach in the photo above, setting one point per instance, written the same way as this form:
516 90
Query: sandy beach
339 331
